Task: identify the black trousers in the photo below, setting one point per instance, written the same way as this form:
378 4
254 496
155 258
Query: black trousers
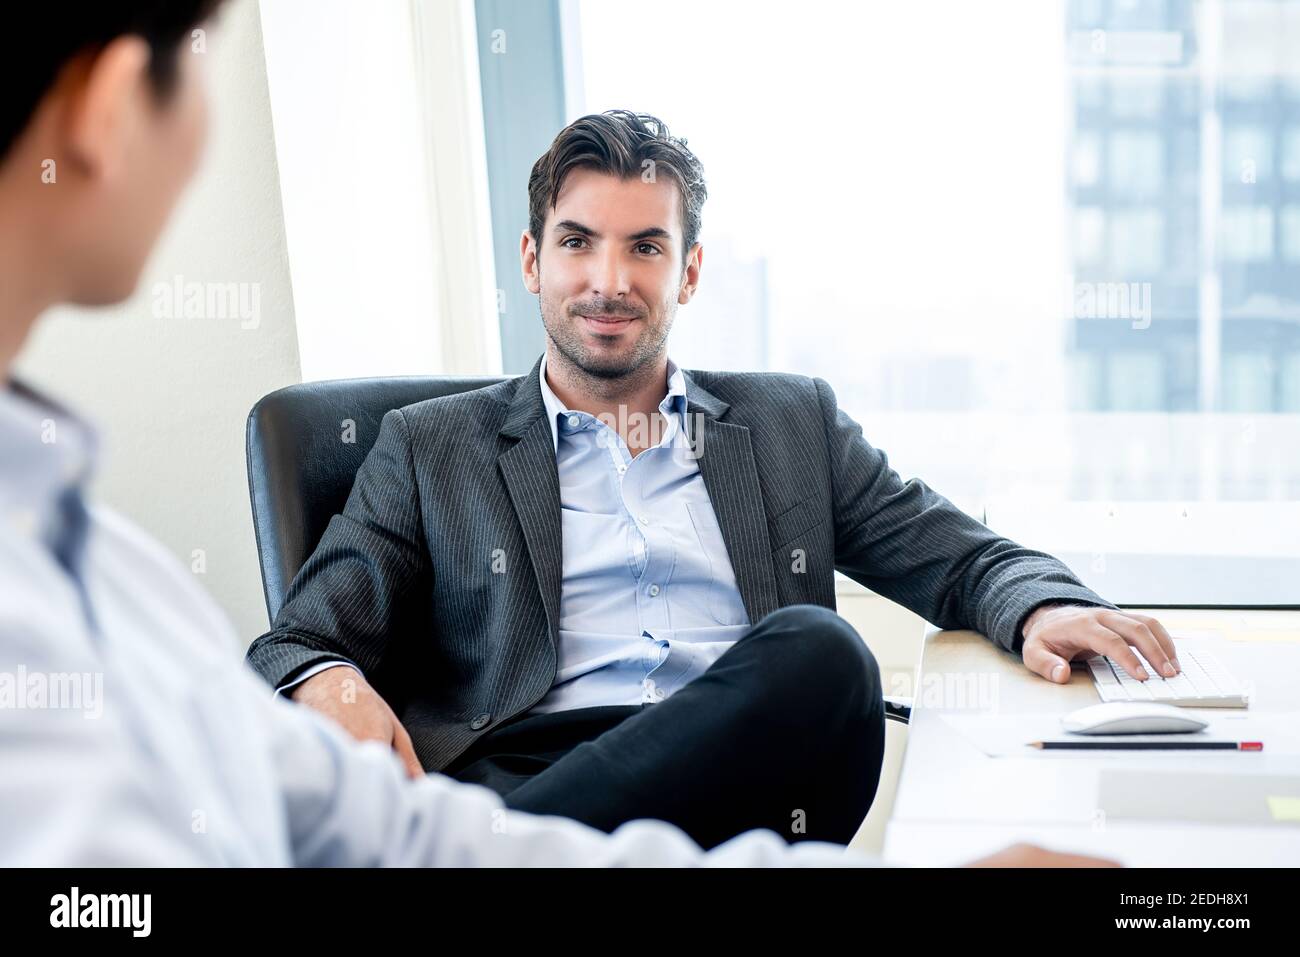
785 731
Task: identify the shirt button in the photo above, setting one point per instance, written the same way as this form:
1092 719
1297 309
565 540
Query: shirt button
480 721
654 590
643 520
574 420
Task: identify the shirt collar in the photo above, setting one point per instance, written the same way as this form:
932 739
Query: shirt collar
673 401
46 453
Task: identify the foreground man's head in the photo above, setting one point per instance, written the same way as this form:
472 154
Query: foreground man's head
101 125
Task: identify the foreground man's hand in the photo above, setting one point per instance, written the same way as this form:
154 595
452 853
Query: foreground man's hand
1030 855
343 694
1055 635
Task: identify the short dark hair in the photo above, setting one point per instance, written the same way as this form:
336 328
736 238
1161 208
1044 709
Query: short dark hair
50 34
621 143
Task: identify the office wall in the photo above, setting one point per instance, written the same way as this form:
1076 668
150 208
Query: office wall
171 394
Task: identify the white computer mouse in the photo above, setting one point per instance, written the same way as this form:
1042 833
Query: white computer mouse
1131 717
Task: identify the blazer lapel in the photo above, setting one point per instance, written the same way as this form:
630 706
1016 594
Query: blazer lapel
528 468
726 463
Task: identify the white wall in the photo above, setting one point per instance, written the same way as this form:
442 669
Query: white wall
171 395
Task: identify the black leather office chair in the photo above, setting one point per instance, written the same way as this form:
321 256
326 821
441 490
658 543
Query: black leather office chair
300 468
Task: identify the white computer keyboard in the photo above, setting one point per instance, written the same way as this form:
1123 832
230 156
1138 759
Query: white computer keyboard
1203 682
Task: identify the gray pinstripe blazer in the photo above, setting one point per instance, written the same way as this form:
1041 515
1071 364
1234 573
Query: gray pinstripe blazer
441 577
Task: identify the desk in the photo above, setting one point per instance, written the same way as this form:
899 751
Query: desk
955 803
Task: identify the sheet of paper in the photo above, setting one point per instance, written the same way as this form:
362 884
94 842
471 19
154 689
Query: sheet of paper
1002 735
1203 797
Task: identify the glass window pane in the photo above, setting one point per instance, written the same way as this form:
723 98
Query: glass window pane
1137 14
1247 233
1136 96
1136 162
1291 153
1290 225
1248 382
1137 381
1247 154
1137 241
1245 88
1290 401
1089 235
1087 159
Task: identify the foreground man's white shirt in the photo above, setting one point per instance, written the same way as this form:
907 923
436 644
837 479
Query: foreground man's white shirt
182 757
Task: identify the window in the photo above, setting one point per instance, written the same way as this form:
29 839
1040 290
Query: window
1045 258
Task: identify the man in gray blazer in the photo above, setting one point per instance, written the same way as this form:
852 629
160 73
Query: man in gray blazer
605 589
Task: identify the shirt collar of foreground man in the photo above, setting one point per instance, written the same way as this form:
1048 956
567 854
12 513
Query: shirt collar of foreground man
49 458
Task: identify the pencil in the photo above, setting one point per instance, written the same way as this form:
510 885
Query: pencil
1148 745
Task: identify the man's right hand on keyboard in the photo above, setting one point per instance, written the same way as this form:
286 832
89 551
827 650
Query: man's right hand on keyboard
1055 635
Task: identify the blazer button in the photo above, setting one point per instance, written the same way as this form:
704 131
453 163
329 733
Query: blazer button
480 721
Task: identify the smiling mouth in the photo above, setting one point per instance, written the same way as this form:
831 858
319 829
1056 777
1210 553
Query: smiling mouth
608 324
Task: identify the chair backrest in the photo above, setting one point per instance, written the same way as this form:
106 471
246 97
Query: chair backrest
305 444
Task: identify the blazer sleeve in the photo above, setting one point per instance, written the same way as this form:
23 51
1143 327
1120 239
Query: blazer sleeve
908 543
367 576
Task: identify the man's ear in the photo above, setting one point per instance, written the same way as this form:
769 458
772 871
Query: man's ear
691 274
528 262
104 96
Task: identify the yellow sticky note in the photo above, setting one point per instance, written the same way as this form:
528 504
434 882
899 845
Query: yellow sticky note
1284 808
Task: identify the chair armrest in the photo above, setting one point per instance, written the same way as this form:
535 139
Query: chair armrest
898 708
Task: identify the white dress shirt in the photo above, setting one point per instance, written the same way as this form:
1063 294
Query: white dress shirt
131 734
649 598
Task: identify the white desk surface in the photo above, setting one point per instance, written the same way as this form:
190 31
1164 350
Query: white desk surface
955 802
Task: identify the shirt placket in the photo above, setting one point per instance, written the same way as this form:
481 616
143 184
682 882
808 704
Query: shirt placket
652 556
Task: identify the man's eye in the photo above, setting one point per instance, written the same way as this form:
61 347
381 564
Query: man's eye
648 248
573 239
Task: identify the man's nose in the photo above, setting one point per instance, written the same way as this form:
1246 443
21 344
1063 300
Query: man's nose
610 277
